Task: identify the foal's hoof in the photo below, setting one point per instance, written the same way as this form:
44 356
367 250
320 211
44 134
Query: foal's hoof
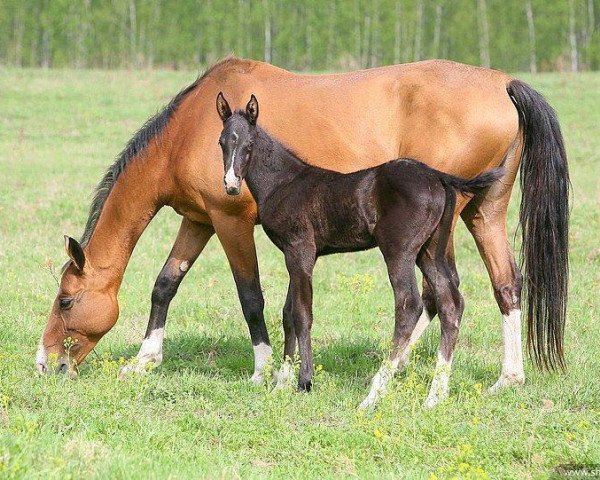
367 404
304 385
433 401
258 378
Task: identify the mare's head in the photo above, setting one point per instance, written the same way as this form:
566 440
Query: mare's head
85 309
237 138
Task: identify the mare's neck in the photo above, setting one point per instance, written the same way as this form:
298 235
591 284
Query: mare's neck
271 166
133 201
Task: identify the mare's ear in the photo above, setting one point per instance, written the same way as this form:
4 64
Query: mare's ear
75 252
223 107
252 110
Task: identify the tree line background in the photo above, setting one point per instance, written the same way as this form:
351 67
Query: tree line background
512 35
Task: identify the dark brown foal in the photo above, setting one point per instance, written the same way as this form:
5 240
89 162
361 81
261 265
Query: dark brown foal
402 206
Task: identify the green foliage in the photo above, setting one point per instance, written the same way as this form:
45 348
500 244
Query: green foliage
197 415
308 35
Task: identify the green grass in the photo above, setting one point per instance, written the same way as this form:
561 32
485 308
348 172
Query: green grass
197 415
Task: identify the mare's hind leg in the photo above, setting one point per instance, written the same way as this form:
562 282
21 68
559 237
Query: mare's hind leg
441 277
408 307
486 220
236 234
191 240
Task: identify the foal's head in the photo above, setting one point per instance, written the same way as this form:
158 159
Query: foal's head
237 137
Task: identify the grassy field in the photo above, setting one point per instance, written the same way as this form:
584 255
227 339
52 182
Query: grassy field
197 415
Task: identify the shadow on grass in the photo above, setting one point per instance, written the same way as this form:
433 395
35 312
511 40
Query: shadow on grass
231 358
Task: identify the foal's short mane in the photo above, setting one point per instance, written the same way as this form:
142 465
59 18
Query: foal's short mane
153 127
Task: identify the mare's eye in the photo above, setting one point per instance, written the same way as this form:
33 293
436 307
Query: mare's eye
65 303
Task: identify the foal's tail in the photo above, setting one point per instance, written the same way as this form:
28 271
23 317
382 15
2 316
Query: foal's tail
544 221
474 185
452 185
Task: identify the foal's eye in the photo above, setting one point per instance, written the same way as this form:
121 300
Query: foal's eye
65 303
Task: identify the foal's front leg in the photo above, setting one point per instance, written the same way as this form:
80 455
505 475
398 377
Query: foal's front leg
289 342
300 264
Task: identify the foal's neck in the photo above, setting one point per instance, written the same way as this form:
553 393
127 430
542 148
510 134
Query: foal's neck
271 167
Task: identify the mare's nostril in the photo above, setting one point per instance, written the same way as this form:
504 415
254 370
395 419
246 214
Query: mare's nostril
63 368
41 368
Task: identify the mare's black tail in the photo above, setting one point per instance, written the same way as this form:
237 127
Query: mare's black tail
544 220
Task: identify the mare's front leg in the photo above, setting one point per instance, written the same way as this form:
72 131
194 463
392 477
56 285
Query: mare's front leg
236 234
191 240
408 308
300 262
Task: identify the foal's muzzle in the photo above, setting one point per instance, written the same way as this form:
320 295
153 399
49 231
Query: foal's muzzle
232 185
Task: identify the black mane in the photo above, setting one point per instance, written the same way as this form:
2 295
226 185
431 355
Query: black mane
153 127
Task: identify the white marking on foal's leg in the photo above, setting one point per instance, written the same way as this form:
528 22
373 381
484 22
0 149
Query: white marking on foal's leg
419 329
150 352
382 379
512 359
439 385
262 356
387 371
285 373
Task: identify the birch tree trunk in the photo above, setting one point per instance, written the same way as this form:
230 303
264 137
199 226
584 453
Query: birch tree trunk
268 32
398 32
132 34
419 32
366 40
331 32
375 36
573 38
357 33
437 31
18 32
45 56
484 34
589 31
309 39
531 29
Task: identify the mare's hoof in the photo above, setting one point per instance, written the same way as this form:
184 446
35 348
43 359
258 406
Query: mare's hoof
507 380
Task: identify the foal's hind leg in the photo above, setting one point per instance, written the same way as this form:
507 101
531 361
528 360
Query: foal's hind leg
408 307
430 309
450 305
191 240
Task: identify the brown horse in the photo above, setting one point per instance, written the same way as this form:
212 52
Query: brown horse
458 119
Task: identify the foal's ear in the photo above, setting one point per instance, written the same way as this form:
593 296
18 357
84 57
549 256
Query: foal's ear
75 252
252 110
223 107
